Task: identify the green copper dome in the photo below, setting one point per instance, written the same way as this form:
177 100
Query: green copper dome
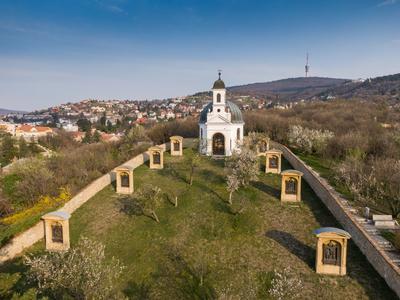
219 84
236 114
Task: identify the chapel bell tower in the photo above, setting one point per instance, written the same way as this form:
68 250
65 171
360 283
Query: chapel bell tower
219 93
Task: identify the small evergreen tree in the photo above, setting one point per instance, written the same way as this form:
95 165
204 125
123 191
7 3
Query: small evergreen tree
23 148
84 124
88 137
96 137
7 150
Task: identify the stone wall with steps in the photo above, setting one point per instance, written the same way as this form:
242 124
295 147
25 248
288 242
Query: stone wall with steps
379 252
34 234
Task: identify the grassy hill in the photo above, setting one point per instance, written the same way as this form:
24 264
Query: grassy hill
207 249
291 88
4 111
379 88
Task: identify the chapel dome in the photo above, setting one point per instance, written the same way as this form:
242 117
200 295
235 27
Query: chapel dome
236 114
219 84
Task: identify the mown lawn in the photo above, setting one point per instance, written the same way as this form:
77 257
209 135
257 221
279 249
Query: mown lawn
205 248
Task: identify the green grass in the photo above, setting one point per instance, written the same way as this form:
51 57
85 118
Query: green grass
204 247
325 167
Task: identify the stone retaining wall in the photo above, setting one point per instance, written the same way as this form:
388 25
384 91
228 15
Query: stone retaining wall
27 238
332 200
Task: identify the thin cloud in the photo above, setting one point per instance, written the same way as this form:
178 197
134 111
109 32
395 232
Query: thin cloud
111 6
387 2
20 29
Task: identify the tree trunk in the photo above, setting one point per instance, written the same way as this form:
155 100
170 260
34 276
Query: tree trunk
230 197
155 217
176 201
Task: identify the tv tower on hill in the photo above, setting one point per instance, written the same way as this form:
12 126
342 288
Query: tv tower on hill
307 66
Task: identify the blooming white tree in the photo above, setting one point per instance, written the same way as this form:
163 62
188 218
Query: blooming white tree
82 272
309 140
242 168
373 182
285 285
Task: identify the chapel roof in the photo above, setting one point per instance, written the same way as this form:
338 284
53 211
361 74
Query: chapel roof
236 114
219 83
332 230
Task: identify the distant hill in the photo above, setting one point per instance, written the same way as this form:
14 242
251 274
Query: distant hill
291 88
4 111
378 88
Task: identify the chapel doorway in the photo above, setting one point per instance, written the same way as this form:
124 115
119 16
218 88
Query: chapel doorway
218 145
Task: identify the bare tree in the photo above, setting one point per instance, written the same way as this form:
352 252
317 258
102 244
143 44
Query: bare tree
193 162
233 185
374 182
149 199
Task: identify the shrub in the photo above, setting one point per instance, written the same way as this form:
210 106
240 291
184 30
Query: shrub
309 140
70 168
59 141
375 182
81 272
161 132
34 180
5 207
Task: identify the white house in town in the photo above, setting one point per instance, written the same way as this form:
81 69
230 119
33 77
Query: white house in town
221 124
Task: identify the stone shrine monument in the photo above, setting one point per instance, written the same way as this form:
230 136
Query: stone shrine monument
273 161
331 250
291 186
262 146
124 180
156 157
56 230
176 145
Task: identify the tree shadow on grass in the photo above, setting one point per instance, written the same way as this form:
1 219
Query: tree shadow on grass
181 280
172 171
208 190
209 175
130 207
296 247
15 280
139 291
224 207
267 189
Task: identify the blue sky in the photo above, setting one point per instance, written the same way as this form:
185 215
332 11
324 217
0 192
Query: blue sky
54 51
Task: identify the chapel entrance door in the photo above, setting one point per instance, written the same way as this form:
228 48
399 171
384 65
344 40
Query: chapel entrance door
218 145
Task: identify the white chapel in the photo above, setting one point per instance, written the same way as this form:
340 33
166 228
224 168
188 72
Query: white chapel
221 124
